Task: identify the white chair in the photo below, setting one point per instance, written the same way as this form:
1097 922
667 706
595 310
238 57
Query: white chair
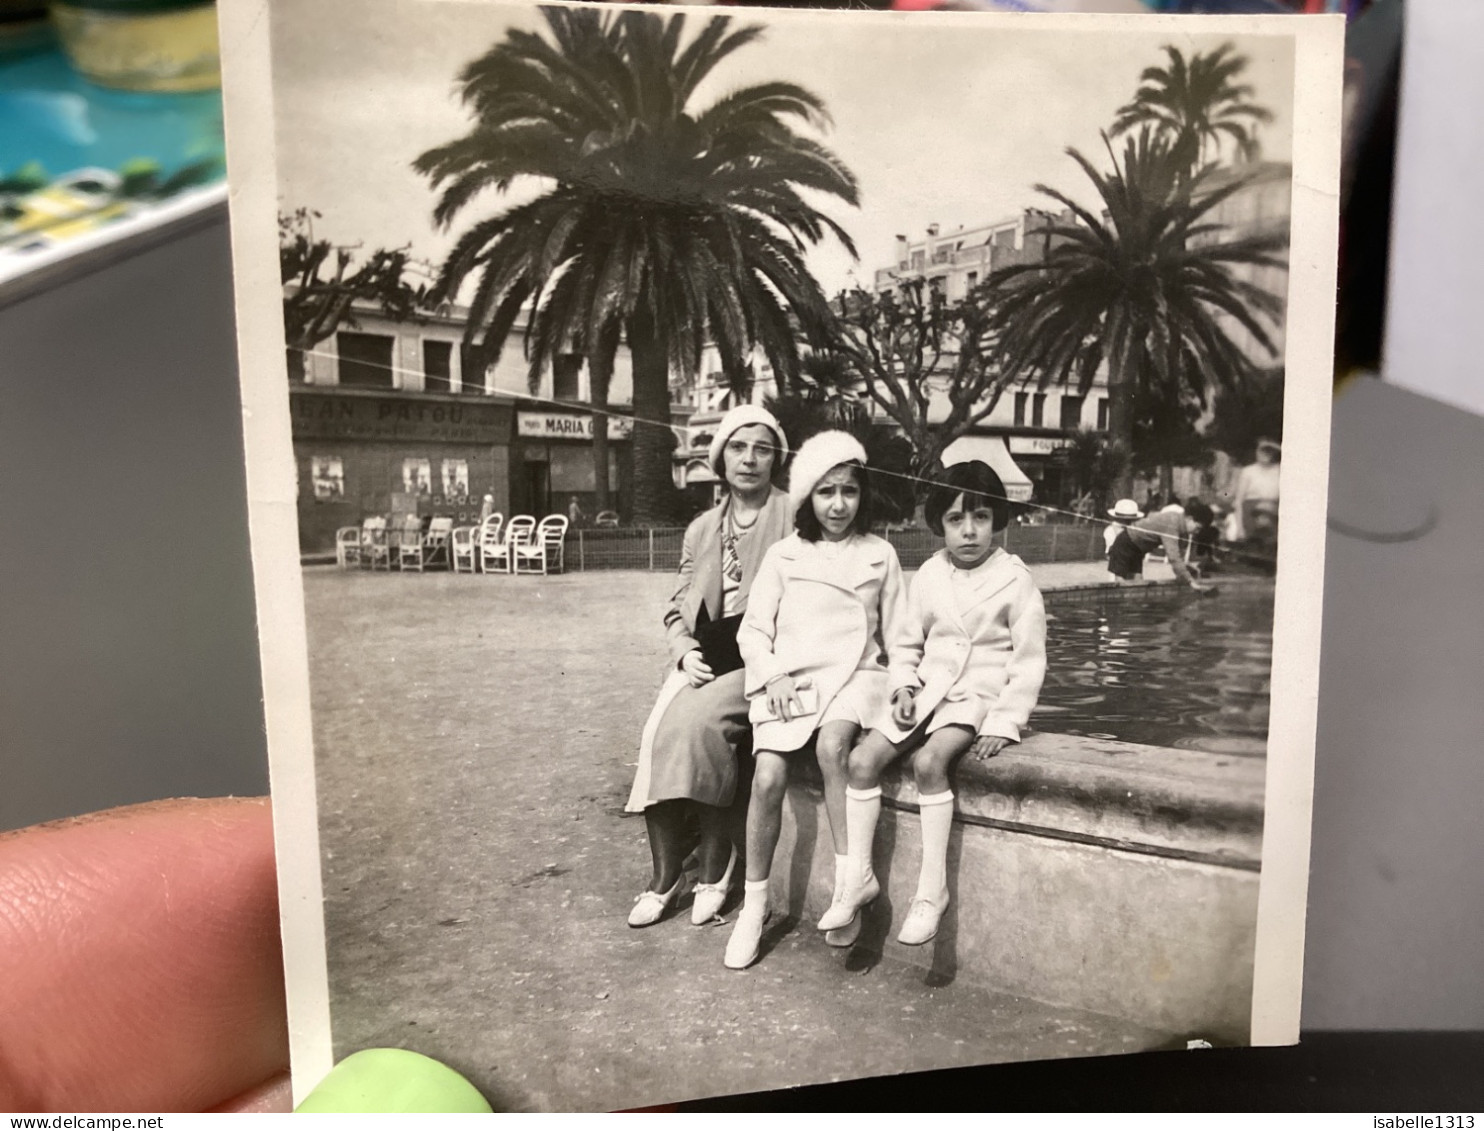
542 550
376 550
348 546
408 543
494 554
501 558
462 548
435 541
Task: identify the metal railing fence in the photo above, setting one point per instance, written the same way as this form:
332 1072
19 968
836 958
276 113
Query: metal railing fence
659 548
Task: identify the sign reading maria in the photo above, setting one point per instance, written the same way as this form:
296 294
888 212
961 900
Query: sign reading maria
568 426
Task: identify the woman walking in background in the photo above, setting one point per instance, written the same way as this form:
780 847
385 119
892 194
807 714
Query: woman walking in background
688 753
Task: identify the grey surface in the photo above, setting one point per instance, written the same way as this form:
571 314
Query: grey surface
1437 232
1396 900
128 665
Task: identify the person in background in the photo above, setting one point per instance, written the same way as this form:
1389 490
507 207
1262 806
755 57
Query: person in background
1173 530
1256 504
576 516
1122 513
1207 539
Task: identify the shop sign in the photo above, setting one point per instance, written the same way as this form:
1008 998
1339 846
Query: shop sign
365 418
568 426
1036 445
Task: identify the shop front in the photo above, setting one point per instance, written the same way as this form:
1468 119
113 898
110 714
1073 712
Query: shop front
992 450
360 454
1043 459
553 464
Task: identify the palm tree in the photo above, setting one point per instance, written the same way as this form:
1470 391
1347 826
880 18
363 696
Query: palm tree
1194 104
1139 290
664 224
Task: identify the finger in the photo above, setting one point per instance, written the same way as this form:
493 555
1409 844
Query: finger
275 1096
142 962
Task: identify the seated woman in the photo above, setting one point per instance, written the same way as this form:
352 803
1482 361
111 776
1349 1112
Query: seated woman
688 762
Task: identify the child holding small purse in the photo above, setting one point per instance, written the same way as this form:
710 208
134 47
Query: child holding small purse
822 604
965 677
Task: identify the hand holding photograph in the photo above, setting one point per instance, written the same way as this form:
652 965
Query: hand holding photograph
766 531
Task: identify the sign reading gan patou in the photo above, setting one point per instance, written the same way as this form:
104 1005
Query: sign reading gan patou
568 426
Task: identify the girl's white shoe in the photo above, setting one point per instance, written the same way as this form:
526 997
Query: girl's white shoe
922 921
847 903
846 935
710 897
650 905
747 938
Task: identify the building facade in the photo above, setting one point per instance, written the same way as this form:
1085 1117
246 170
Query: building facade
390 419
1026 430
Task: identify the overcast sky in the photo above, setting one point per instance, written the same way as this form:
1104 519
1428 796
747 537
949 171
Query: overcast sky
948 121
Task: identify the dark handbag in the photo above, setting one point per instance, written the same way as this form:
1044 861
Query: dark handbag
718 641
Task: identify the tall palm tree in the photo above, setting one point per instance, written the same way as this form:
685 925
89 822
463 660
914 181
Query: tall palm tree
665 225
1138 290
1196 103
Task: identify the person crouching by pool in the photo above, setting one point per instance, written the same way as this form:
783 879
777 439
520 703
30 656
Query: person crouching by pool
688 753
1174 529
965 674
812 641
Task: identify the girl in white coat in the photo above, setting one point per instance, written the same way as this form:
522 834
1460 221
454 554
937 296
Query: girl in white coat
822 604
964 677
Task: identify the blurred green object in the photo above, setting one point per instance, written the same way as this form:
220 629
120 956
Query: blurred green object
150 45
393 1080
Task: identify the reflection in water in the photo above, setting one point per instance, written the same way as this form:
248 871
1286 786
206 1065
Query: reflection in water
1167 669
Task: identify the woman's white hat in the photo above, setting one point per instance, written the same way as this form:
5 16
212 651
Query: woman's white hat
817 455
1125 508
740 417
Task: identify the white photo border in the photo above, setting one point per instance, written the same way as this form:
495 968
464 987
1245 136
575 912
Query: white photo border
272 510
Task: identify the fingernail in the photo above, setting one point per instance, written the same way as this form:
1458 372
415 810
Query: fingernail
393 1080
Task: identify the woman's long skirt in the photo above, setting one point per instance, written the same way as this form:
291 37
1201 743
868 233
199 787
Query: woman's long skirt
689 748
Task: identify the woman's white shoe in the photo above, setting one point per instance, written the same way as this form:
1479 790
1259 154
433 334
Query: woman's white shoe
711 897
650 905
747 938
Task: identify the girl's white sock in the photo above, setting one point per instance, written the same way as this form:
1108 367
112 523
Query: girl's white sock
862 808
755 896
937 821
842 871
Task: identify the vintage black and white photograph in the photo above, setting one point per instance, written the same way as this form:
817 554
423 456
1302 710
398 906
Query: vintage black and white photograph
787 513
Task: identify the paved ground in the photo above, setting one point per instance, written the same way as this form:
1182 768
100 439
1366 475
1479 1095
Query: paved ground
476 740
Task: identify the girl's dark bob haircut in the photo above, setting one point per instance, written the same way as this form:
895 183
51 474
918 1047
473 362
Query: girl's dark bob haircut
807 523
980 486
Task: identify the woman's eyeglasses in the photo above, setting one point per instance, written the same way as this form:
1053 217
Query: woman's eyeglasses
739 449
